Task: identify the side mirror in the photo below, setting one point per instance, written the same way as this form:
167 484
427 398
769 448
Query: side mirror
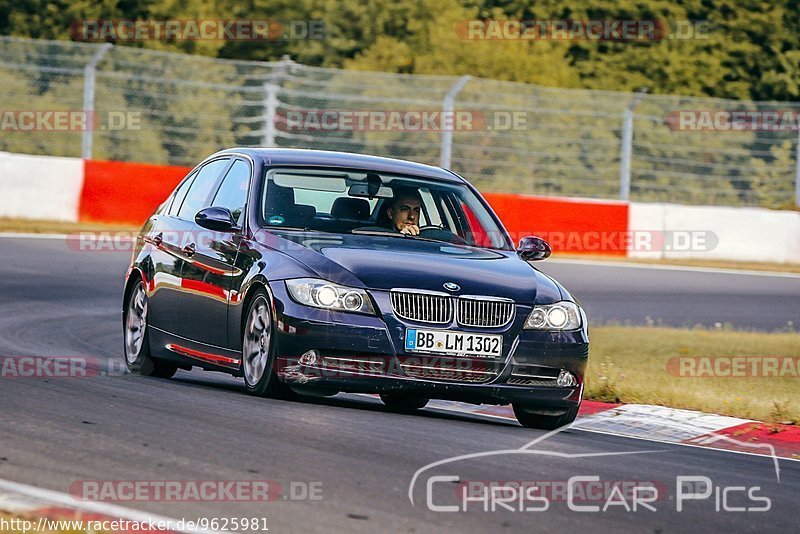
532 248
216 218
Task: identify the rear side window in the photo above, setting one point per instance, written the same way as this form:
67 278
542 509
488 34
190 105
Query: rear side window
201 188
232 194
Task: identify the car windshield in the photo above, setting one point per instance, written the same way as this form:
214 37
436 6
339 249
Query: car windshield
370 203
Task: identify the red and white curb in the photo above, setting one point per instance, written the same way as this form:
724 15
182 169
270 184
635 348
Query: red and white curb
665 425
39 505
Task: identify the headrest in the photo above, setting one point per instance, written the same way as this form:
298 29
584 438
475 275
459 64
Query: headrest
304 213
350 208
279 199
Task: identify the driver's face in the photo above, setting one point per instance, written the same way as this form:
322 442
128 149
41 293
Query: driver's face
404 212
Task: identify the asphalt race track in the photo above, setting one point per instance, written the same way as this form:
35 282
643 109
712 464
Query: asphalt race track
678 296
55 301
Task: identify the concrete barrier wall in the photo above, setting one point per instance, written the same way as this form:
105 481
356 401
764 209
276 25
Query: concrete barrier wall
69 189
712 232
40 187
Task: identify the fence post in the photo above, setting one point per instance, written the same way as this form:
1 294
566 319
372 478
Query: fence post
447 133
270 108
88 99
626 149
270 103
625 155
797 173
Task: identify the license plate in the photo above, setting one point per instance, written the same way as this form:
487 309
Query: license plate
445 342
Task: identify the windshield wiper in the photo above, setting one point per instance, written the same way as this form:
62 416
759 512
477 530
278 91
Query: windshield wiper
389 233
379 233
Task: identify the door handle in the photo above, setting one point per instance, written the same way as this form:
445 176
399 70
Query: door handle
156 240
189 249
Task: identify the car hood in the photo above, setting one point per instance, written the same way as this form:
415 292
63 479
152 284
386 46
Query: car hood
383 263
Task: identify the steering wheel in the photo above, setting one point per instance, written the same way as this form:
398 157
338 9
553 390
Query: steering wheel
440 233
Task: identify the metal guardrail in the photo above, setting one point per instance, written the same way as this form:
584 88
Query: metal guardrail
565 142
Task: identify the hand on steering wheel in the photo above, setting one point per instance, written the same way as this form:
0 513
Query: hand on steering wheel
411 229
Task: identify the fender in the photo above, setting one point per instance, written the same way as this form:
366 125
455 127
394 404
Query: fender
260 266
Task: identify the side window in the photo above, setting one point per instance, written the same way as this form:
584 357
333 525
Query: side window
180 194
201 188
454 213
232 194
450 224
429 209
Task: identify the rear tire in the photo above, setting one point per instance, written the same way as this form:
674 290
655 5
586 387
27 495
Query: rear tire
403 403
528 418
258 350
138 357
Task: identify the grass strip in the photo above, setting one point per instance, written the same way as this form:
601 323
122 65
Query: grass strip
642 365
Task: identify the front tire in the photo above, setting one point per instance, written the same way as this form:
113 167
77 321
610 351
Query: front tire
528 418
258 351
138 357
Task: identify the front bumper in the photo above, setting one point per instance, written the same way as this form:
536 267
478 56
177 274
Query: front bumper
365 354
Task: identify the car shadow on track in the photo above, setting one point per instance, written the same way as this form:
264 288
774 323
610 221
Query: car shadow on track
348 401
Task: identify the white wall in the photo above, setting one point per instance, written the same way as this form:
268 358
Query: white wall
711 232
40 187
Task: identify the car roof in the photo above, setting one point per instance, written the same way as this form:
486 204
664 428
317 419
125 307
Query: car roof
329 158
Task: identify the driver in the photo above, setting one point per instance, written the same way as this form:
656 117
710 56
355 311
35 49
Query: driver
404 210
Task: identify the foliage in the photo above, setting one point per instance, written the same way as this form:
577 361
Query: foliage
751 49
194 104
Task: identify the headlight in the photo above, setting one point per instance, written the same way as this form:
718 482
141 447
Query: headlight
559 316
330 296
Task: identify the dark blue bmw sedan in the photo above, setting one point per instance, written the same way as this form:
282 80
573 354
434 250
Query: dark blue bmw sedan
321 272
